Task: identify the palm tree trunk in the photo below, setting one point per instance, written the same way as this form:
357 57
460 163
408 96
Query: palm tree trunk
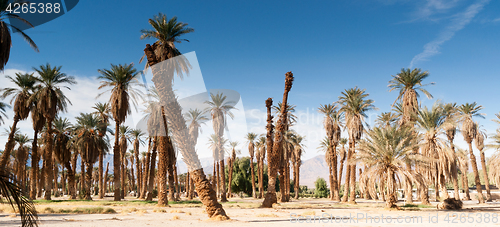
476 175
340 171
162 170
261 176
230 162
145 175
281 178
347 175
296 171
152 174
116 163
82 177
71 181
465 185
223 197
272 160
88 181
485 176
177 188
48 162
41 182
442 183
34 165
254 194
391 197
105 188
138 168
101 172
122 173
352 195
335 189
9 146
330 177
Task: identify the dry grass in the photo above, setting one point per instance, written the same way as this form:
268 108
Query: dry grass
78 210
267 215
175 217
141 212
309 213
156 210
176 211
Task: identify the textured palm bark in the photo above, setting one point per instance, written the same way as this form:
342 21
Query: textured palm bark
41 182
281 178
330 177
116 164
270 197
261 177
485 177
48 162
391 197
335 188
347 175
230 162
223 197
207 196
465 185
34 166
9 146
82 178
137 168
101 172
476 175
296 179
191 187
254 193
340 171
71 181
145 176
171 177
163 84
105 188
352 193
152 174
162 170
177 188
442 183
88 181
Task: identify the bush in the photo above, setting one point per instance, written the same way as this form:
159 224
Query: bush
321 190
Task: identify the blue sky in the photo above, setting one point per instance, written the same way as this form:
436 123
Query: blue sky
248 46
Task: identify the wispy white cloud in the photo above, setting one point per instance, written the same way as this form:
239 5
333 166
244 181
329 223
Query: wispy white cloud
458 23
496 20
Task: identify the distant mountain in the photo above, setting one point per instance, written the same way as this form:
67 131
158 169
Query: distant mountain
313 168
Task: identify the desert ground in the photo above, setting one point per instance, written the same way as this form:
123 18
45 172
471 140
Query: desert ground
246 212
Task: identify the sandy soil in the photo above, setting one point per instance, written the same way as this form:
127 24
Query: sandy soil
245 212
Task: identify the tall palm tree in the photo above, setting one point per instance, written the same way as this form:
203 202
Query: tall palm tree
469 130
5 38
51 100
102 111
122 79
479 142
250 137
450 111
408 82
90 144
21 158
275 148
333 126
433 123
167 33
386 151
354 104
20 95
62 150
38 122
220 109
137 135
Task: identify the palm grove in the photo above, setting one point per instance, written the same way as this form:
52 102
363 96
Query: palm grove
409 148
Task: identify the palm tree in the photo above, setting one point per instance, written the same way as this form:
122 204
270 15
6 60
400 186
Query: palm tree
386 151
122 80
297 161
450 111
21 158
38 122
386 119
102 112
233 145
333 126
343 156
354 104
408 82
20 95
167 33
463 164
5 38
433 123
62 150
195 118
479 142
51 100
220 109
3 108
137 135
275 148
90 144
469 130
250 137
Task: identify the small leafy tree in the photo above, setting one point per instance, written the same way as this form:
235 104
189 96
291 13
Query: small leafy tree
321 190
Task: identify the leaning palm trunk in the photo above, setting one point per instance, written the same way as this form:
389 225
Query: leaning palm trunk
276 148
465 185
163 83
9 146
476 174
485 176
